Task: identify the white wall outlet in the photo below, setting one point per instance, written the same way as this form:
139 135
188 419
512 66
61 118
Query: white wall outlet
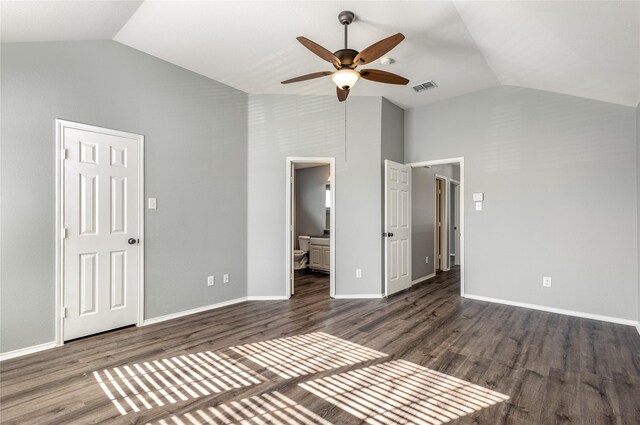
546 281
478 206
153 203
359 273
225 278
211 280
426 260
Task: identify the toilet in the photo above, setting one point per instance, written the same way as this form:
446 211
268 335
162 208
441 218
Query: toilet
300 256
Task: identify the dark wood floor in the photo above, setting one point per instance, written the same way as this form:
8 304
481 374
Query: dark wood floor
552 369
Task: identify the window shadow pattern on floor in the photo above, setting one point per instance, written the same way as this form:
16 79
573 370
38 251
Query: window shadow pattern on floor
270 408
301 355
156 383
401 392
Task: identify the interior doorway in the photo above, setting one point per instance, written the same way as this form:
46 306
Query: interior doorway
441 225
437 219
310 223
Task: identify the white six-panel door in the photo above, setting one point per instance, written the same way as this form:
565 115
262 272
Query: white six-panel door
101 230
397 219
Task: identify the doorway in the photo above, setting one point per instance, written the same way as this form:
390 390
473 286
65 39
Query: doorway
441 226
437 217
310 225
100 216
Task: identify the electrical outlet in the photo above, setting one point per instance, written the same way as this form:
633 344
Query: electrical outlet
225 278
211 280
426 260
546 281
358 273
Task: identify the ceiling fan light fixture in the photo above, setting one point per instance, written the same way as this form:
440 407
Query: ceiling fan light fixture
345 78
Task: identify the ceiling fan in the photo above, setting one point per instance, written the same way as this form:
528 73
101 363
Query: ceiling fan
346 60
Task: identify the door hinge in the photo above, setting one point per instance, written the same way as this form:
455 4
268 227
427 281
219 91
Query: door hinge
64 233
64 154
63 312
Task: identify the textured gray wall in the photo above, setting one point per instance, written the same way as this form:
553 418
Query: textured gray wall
559 175
311 210
195 164
638 184
423 217
282 126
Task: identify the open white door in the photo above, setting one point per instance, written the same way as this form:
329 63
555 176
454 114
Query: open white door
397 224
101 204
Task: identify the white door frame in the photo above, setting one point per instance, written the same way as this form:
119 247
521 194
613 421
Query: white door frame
444 219
455 183
59 160
458 160
291 160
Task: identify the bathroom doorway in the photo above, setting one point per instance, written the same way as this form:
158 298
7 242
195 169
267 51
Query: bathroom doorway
310 224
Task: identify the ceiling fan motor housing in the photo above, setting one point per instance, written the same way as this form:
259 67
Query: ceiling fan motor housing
346 57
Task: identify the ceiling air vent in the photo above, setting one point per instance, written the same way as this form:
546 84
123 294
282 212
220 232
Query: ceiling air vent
425 86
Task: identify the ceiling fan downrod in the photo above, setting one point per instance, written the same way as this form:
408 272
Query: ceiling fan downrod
346 17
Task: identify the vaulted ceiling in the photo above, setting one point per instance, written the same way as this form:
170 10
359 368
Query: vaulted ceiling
587 49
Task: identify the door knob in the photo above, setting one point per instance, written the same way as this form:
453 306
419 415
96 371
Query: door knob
390 235
132 241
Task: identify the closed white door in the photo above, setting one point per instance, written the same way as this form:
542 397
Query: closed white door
100 217
397 219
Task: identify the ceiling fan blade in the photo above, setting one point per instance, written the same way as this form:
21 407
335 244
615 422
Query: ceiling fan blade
307 77
342 94
382 77
319 51
378 49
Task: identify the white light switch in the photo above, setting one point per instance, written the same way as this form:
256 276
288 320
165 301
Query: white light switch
478 197
153 203
478 206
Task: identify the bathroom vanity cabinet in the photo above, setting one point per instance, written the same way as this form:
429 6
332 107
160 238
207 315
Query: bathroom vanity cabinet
320 255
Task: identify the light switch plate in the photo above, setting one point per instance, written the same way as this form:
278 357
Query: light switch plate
153 204
478 206
225 278
478 197
358 273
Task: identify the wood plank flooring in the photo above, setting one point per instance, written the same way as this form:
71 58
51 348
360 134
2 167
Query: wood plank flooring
552 369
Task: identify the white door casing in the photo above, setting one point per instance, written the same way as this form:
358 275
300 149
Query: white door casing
397 223
457 224
101 196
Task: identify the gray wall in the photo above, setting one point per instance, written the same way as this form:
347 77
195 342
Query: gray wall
195 164
282 126
559 175
423 217
638 184
311 210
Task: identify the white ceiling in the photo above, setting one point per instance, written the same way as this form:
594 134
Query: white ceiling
63 20
587 49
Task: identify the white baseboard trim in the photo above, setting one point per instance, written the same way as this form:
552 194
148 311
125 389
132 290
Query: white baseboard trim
423 278
357 296
555 310
267 297
192 311
27 350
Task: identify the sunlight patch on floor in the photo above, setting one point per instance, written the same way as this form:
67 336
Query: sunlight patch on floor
401 392
142 386
305 354
271 408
